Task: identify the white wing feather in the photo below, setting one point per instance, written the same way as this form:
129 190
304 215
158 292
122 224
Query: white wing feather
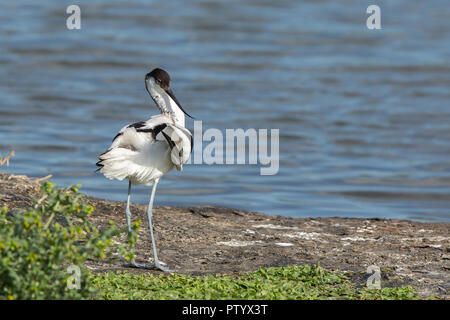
142 153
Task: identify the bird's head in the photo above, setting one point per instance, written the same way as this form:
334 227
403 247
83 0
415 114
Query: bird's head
157 83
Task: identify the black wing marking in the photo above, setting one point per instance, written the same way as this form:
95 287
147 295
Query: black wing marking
140 127
137 125
154 130
172 144
117 135
99 162
100 165
169 141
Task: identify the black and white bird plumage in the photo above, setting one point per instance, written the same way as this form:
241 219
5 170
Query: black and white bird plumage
146 150
143 152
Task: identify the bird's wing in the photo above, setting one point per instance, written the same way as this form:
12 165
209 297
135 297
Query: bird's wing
180 142
132 138
135 135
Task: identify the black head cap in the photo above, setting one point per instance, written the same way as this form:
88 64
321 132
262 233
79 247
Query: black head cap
161 77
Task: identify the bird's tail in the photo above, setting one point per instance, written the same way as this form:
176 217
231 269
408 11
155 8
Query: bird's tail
116 163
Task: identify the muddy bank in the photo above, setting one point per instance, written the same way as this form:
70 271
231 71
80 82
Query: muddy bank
221 240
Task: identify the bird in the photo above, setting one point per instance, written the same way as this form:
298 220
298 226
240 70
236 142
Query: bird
143 152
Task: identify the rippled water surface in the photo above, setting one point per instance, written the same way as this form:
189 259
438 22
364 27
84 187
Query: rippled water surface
364 116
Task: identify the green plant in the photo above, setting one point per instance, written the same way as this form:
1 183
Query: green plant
291 282
37 246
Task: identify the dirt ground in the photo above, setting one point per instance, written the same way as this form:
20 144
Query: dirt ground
205 240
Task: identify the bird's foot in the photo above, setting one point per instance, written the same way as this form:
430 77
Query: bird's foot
159 265
133 264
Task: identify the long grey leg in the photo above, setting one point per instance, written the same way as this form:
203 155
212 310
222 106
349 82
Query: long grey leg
127 211
132 263
149 214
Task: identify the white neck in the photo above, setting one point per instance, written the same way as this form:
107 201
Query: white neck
165 103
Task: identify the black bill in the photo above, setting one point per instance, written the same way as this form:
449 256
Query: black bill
170 93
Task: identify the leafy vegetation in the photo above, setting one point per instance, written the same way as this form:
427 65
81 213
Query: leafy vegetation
292 282
37 246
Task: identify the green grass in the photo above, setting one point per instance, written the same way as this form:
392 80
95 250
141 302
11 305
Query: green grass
292 282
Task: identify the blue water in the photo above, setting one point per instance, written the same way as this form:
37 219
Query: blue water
364 115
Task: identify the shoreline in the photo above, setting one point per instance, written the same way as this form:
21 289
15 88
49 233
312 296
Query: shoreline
209 239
